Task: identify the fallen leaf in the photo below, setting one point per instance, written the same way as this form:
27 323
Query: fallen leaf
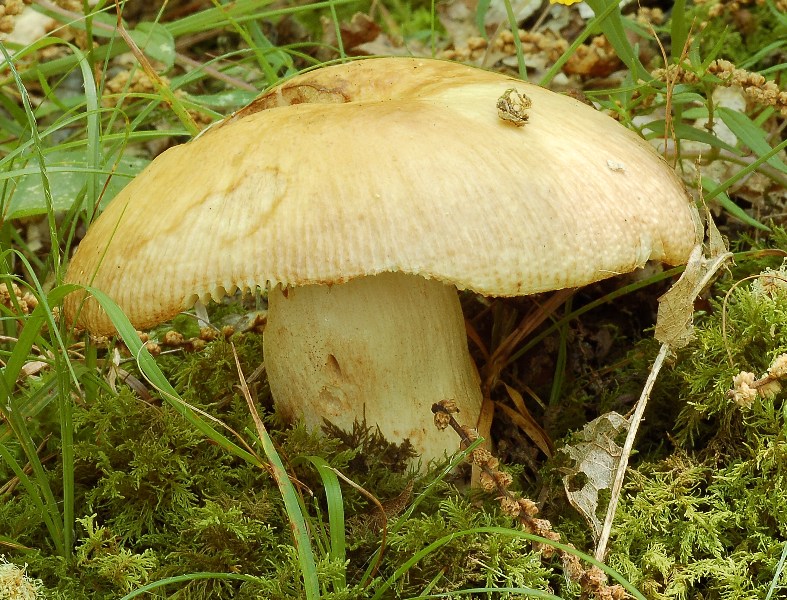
675 321
594 460
358 35
34 367
526 422
461 20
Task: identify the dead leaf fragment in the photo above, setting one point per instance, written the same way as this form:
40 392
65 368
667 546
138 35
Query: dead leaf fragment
33 367
594 461
360 33
596 59
523 419
674 324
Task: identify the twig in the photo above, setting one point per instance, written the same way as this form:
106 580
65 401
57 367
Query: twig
620 474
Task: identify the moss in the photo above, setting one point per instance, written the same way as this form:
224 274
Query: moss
477 560
708 519
154 500
746 28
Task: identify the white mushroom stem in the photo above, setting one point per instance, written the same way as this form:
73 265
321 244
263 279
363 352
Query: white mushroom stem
384 347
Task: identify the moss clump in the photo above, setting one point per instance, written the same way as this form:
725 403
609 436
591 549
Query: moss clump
708 520
154 500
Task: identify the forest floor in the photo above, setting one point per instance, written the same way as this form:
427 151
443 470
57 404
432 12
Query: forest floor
136 467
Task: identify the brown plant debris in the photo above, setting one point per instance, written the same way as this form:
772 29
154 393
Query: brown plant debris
746 387
593 581
17 301
10 9
755 87
476 47
128 82
597 59
375 520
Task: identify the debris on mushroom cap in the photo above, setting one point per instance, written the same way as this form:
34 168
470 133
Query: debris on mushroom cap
380 165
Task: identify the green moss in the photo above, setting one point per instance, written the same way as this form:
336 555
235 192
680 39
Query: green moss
747 31
155 500
708 519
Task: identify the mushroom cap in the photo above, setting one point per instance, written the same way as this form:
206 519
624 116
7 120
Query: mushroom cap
390 164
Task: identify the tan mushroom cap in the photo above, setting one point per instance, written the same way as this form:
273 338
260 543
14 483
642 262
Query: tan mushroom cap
379 165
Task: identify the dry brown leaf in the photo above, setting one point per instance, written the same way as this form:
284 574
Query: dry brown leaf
594 461
674 329
596 59
674 324
34 367
360 35
458 18
525 421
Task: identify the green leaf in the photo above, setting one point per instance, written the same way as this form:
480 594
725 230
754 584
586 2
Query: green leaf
688 132
761 55
683 95
67 172
225 101
185 579
154 39
750 168
38 487
334 501
480 16
726 202
679 30
777 13
751 135
156 42
613 29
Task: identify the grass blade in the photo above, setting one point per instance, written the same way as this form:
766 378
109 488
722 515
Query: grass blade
147 365
184 578
300 533
336 520
437 544
751 135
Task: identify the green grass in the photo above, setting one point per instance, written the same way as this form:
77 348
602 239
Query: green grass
133 476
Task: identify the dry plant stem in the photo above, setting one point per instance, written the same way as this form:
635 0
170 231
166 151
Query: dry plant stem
210 417
669 125
161 87
255 415
541 18
700 272
10 485
500 357
636 419
529 323
184 60
722 154
466 440
676 305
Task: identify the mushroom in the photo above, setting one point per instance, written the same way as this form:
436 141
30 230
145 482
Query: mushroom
362 196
